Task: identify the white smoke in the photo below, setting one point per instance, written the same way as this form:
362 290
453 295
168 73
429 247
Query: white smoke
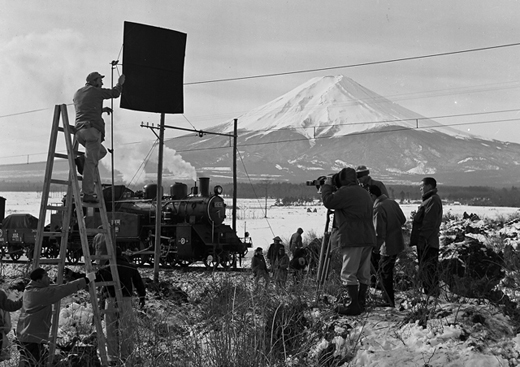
131 159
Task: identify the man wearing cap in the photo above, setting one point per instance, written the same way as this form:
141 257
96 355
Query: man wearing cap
90 127
274 248
259 268
425 235
353 232
296 241
388 220
365 180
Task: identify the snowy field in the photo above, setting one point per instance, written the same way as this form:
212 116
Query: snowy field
262 220
381 335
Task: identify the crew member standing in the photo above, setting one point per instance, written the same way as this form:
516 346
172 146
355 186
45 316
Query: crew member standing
354 233
388 220
425 235
296 241
90 127
121 324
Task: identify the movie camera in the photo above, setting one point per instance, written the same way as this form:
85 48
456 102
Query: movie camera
320 181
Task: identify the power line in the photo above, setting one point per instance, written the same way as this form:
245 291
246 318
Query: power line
347 124
354 65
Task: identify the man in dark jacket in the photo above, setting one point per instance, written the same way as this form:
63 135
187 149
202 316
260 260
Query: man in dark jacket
90 127
388 220
296 241
353 231
272 252
365 180
120 325
425 235
35 318
259 268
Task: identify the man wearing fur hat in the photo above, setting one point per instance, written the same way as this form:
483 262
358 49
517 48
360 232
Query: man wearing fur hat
354 233
425 235
362 173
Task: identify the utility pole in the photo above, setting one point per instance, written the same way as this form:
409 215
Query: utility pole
266 182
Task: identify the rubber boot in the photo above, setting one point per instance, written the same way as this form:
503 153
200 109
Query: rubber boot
362 295
353 309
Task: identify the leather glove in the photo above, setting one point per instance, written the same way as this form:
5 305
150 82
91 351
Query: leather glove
141 302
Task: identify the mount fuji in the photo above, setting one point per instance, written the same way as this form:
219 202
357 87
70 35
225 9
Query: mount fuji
331 122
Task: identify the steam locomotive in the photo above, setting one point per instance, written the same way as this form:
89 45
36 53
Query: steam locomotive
192 226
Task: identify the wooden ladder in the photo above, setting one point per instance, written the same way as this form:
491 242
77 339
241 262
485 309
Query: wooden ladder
73 199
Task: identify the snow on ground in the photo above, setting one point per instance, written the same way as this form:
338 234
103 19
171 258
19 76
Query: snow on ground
466 333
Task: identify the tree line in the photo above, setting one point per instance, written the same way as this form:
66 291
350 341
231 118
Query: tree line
289 193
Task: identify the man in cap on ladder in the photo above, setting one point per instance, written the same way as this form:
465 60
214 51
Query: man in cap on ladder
90 127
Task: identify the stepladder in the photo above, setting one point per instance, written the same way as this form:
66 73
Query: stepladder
74 214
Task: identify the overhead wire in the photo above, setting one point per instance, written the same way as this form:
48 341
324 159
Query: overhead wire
258 76
311 70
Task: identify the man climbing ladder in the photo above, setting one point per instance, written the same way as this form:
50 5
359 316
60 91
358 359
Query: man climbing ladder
90 127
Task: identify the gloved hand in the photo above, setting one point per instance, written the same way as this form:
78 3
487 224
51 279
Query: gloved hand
141 302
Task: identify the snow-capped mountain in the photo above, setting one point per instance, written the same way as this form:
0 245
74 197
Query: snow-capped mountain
331 122
332 106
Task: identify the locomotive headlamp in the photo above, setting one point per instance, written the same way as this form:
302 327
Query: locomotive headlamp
218 190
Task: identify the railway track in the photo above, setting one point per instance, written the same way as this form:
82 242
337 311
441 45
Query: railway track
184 269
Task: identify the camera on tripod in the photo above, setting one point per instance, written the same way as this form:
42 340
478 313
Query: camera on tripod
320 181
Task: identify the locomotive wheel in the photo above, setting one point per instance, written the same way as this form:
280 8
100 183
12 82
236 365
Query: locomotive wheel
226 261
211 261
15 256
184 263
73 256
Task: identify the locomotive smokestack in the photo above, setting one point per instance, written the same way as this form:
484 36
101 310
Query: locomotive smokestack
204 186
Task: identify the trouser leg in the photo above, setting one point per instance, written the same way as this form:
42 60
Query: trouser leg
386 266
428 269
94 151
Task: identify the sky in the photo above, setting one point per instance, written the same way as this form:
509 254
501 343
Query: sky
47 48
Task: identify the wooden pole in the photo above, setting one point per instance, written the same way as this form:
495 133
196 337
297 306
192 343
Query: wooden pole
235 175
159 204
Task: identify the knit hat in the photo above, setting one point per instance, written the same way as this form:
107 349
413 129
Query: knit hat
277 239
374 190
347 175
362 171
37 274
258 249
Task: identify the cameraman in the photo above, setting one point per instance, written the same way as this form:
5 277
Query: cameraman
353 231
